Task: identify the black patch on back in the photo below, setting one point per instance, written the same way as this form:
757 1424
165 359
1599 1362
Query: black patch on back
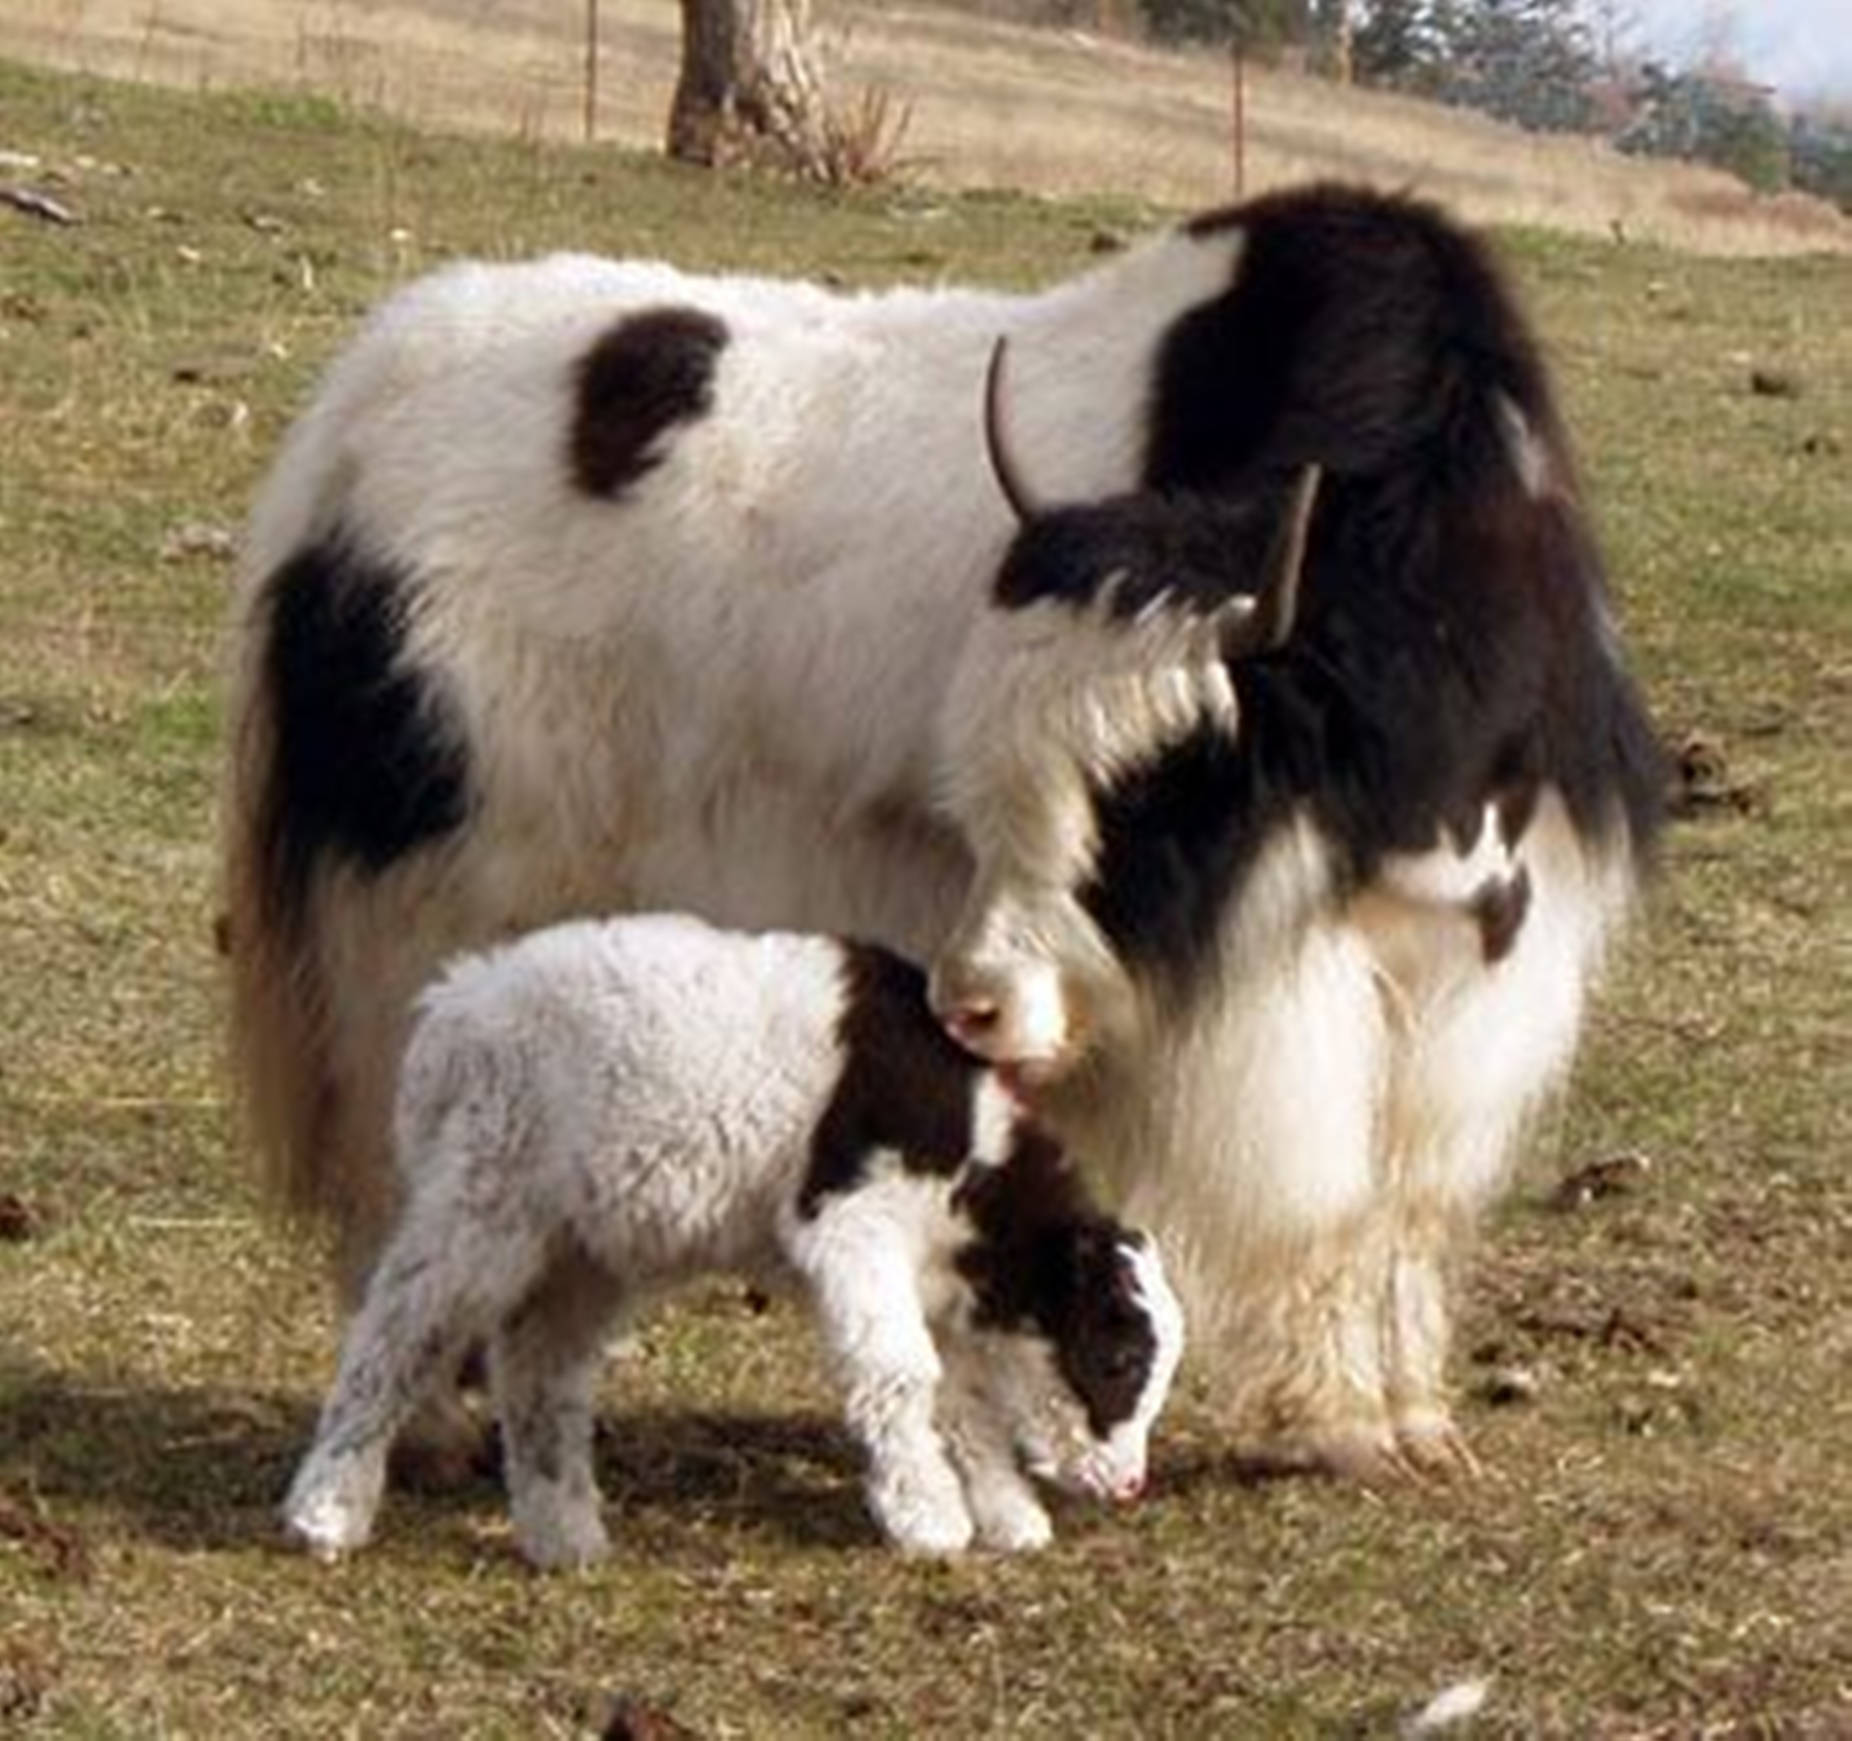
370 758
1043 1256
1451 645
647 372
905 1083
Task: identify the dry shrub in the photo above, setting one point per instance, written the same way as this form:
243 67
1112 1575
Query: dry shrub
1800 214
850 144
862 139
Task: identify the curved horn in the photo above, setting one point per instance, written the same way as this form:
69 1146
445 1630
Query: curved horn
1276 601
1002 462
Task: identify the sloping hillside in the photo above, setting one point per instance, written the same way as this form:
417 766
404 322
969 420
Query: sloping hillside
991 104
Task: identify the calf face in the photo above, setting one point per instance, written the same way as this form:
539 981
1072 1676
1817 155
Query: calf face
1075 1331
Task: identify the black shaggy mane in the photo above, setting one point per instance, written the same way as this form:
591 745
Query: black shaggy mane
1453 645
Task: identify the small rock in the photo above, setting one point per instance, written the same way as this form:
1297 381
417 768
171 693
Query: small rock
1509 1386
18 1223
1774 383
1614 1177
195 538
1458 1703
634 1719
1702 783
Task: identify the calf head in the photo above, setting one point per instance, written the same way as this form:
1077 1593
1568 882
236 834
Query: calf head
1111 633
1076 1329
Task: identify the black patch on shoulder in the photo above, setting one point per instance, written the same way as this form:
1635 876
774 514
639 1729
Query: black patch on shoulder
370 757
1043 1256
905 1083
1451 647
647 372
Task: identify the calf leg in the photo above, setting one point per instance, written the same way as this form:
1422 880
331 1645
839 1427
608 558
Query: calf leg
1005 1511
444 1278
858 1261
544 1367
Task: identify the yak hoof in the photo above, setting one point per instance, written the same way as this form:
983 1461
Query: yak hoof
1434 1445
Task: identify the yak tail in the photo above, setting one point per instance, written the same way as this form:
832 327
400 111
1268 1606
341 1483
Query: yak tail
315 1019
278 1015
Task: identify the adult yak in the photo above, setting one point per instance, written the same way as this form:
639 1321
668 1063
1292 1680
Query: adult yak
588 585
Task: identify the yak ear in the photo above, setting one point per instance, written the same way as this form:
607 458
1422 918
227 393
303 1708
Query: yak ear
1268 616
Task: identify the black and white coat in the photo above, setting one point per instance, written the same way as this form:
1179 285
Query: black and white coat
599 1111
590 585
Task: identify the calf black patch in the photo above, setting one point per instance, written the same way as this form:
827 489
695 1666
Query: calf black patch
370 758
1044 1257
647 372
905 1083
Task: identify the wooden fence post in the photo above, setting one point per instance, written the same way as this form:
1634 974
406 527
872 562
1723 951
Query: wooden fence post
591 71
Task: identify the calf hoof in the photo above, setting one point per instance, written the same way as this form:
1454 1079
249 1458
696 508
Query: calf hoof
926 1517
1015 1529
562 1541
327 1523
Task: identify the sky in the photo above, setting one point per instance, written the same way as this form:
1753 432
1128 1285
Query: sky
1804 47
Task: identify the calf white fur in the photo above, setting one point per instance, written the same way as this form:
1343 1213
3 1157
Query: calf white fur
589 586
599 1111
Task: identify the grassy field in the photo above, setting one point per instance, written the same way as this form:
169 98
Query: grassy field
989 103
1663 1544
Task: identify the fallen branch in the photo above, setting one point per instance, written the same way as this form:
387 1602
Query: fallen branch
37 205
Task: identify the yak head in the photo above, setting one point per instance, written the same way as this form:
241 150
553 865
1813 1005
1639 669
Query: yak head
1114 629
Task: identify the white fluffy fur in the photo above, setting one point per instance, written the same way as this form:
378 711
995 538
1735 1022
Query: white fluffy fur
726 693
600 1111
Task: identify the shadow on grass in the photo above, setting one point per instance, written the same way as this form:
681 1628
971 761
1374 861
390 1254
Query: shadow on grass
204 1470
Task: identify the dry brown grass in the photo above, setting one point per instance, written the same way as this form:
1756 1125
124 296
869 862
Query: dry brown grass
988 104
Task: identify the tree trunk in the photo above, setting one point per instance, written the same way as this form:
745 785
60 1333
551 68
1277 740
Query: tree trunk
748 81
